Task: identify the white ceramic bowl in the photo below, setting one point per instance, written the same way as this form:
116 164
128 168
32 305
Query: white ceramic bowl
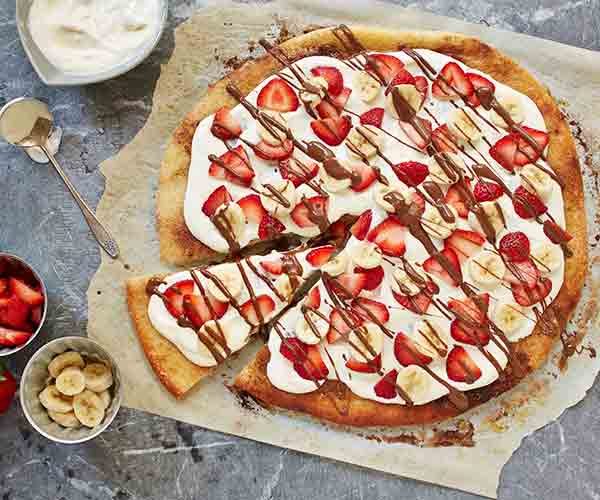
34 381
53 76
25 268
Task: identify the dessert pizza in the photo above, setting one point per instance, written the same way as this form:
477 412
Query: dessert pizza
441 167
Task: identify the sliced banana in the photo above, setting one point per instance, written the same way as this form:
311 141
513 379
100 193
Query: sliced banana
431 338
372 335
509 317
312 99
487 269
381 190
366 254
71 381
236 219
88 408
68 420
276 135
337 265
402 283
236 331
52 399
494 214
438 174
416 382
366 87
513 104
536 181
548 257
60 362
283 285
305 332
464 125
331 184
364 141
410 94
227 275
272 202
105 398
434 224
98 377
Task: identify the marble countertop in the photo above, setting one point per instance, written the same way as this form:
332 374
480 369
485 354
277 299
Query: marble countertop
147 457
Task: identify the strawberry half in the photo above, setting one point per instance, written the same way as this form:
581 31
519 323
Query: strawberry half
460 367
387 66
312 169
403 77
522 273
525 153
372 366
13 338
411 132
504 152
471 310
372 117
339 327
313 299
274 152
411 173
466 333
333 76
367 176
293 349
454 83
455 199
313 367
335 108
443 140
362 225
237 161
374 276
253 208
269 228
14 313
418 303
389 236
264 305
433 267
369 309
175 294
218 197
320 256
526 296
198 311
272 266
225 126
478 82
349 283
301 215
487 191
527 205
407 353
29 295
465 243
278 95
332 131
386 387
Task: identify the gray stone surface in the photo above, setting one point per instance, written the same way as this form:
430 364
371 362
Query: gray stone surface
145 457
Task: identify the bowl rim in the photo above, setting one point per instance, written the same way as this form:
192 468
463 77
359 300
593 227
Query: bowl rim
117 400
59 78
4 352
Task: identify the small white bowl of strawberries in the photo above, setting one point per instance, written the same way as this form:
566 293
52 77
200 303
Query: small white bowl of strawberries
22 304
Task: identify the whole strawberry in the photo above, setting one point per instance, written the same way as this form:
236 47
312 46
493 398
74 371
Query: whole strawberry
8 388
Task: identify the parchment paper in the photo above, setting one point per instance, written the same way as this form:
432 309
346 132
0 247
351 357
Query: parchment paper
203 44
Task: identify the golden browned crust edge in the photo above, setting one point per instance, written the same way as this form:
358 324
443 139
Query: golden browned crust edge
176 373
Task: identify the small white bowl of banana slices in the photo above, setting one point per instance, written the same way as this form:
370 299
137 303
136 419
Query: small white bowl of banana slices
71 390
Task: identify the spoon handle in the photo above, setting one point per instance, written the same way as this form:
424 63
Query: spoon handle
107 242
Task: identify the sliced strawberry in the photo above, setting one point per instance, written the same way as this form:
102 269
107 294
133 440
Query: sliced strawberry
386 387
14 313
504 152
515 246
301 214
272 266
369 309
422 85
313 367
526 204
471 310
264 305
525 153
253 208
389 236
372 366
374 276
29 295
278 95
339 101
487 191
3 286
522 273
218 197
198 311
349 283
174 295
406 352
403 77
455 199
269 228
387 66
225 126
467 333
293 349
444 140
338 232
13 338
313 299
460 367
306 171
333 76
362 225
332 131
239 170
415 137
339 327
555 233
35 315
411 173
526 296
418 303
277 152
433 267
465 243
372 117
454 83
478 82
320 256
335 108
367 176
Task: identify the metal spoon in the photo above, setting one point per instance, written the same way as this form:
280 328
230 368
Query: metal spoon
27 123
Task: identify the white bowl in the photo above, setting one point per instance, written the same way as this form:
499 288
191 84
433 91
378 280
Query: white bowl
34 381
53 76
